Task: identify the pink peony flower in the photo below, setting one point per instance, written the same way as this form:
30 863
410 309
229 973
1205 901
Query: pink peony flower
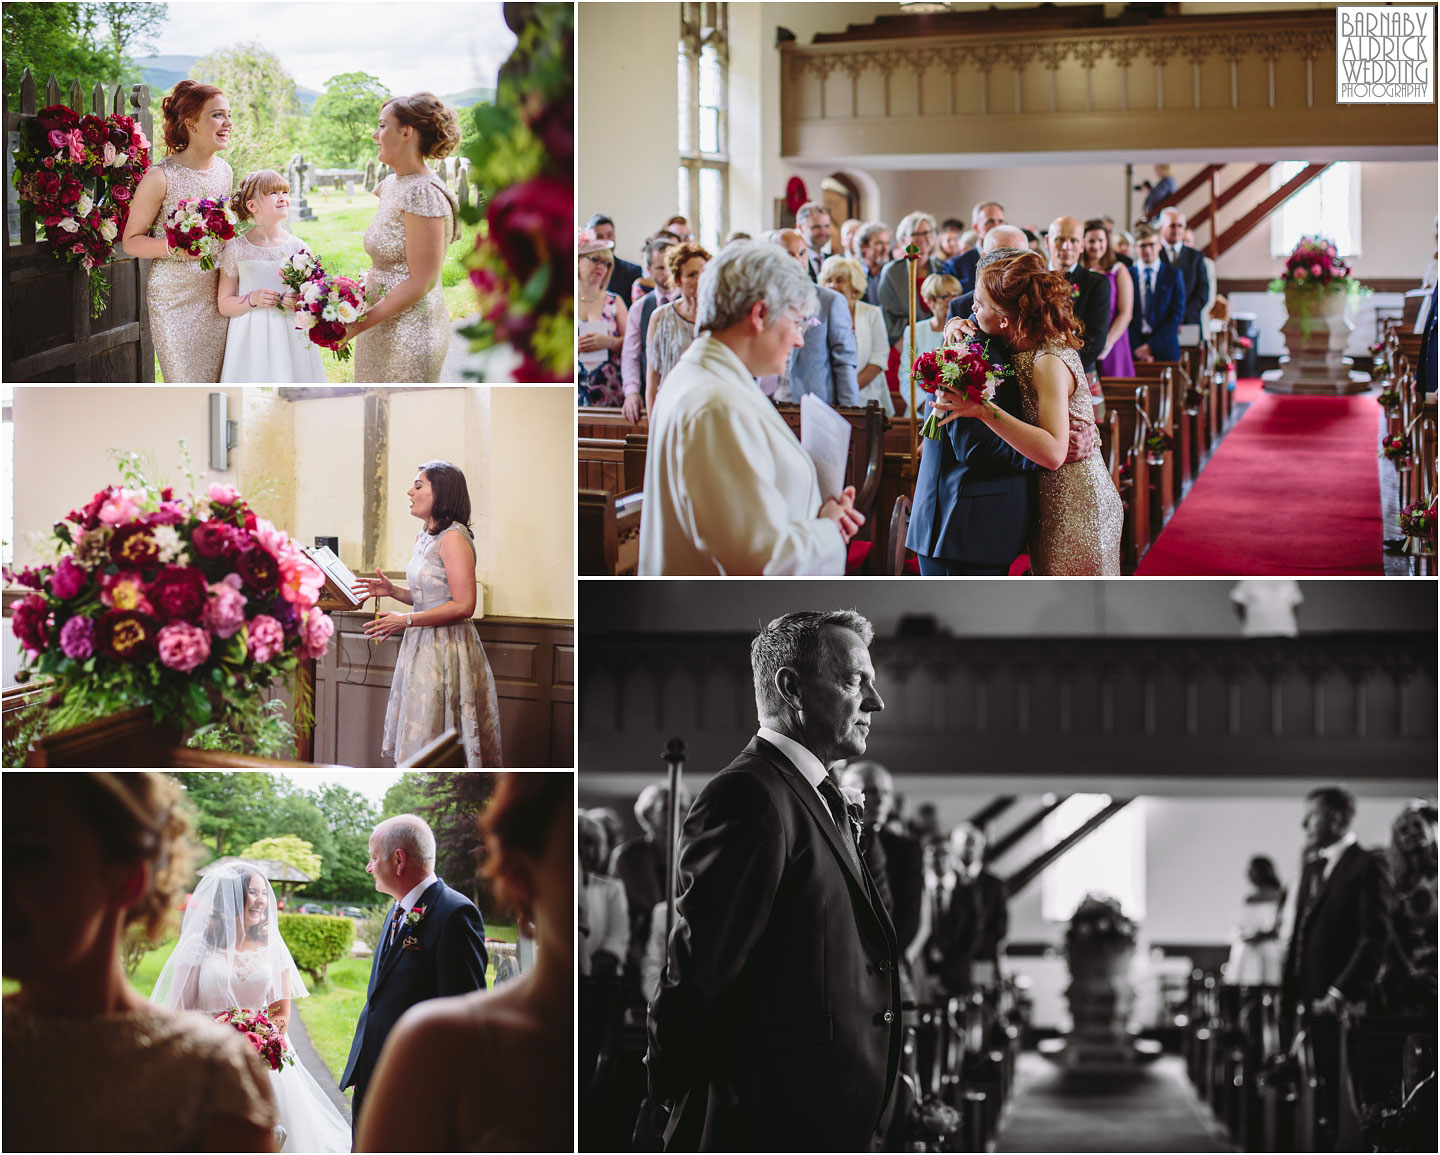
267 638
69 579
224 494
183 646
124 591
77 638
225 608
301 580
30 621
315 633
121 506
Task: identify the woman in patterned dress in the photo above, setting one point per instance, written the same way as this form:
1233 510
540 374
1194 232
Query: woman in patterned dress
601 319
1028 307
442 679
407 330
185 323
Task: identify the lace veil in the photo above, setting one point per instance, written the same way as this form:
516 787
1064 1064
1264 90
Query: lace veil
225 958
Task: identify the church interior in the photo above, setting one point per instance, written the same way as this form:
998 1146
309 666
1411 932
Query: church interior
1135 744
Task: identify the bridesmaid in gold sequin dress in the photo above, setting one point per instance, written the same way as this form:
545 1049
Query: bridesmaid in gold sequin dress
407 332
1080 515
185 324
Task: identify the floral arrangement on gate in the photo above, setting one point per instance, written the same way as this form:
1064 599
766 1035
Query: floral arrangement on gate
79 175
201 226
1100 919
966 371
522 263
1418 520
190 606
265 1036
1395 448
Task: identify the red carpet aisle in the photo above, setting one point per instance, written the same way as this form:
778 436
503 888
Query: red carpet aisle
1292 490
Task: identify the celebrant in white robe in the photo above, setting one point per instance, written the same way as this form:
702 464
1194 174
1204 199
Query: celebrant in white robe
728 489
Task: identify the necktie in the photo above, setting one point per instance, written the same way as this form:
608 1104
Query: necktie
394 926
1310 879
831 793
1149 288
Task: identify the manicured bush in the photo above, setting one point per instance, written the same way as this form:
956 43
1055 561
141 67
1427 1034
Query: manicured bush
317 940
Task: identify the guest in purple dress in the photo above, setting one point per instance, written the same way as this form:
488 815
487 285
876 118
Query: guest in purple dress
1115 359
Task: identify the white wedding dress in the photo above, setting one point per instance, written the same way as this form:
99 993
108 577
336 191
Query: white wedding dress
262 343
310 1120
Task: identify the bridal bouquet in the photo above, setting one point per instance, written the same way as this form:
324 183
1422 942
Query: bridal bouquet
966 371
327 304
191 606
298 270
261 1034
201 226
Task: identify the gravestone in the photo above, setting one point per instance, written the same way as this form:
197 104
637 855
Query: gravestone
299 209
349 188
369 175
462 193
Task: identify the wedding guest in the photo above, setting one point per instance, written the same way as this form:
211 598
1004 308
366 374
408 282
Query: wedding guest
625 273
678 225
609 820
604 930
847 238
1188 261
1124 243
728 489
672 325
407 331
1211 280
846 276
872 242
737 235
894 293
1408 986
87 855
1091 292
825 363
632 348
442 678
639 864
969 918
1155 328
812 222
1158 192
1257 952
968 240
938 290
1115 359
443 1052
600 324
646 280
951 232
983 217
188 330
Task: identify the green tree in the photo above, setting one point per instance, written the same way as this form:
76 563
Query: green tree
295 813
291 851
406 796
266 112
344 117
128 27
48 39
452 806
230 809
351 818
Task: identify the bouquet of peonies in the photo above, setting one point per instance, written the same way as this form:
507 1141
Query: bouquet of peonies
261 1034
326 305
1314 264
298 270
190 606
1418 520
966 371
1100 918
1395 448
201 226
78 174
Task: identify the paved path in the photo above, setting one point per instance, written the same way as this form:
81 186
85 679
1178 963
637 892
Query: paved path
307 1054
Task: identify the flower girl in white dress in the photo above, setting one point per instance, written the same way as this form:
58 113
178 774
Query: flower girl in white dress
263 343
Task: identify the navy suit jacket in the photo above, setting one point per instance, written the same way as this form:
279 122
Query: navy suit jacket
1191 263
1425 363
825 364
623 278
450 960
974 492
1167 307
963 269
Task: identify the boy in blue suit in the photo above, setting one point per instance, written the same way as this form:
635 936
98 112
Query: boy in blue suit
1155 327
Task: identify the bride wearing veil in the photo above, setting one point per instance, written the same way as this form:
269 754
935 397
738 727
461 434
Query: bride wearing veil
230 954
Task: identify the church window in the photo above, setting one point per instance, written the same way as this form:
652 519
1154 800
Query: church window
1328 205
704 175
1110 860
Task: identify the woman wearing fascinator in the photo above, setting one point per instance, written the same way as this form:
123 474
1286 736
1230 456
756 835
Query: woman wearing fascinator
231 956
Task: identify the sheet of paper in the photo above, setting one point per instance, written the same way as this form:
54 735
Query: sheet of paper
825 436
335 569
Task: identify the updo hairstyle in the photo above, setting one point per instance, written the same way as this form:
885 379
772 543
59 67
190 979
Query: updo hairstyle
677 255
256 185
184 103
431 118
1037 302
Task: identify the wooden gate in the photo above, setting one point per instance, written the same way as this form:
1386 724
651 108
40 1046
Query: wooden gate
49 333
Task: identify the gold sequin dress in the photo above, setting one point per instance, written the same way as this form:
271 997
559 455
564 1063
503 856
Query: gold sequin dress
1080 513
185 323
412 346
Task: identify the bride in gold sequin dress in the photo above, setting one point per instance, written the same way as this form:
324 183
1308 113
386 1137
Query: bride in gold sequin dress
407 332
185 322
1080 515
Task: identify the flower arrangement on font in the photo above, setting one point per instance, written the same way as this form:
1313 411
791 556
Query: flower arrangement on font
201 226
1100 919
524 157
79 175
1314 264
261 1034
188 606
966 371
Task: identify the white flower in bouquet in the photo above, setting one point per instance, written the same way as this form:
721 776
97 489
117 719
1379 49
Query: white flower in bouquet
330 312
84 205
108 229
210 245
312 292
230 216
70 225
302 262
345 312
307 318
167 540
190 221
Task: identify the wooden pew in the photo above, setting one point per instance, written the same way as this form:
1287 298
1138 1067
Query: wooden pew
608 538
1129 401
605 421
1186 427
1159 416
610 464
1382 1059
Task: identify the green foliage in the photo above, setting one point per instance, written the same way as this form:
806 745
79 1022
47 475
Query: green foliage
267 115
231 809
343 118
134 946
290 850
21 730
87 42
249 725
452 806
316 941
405 796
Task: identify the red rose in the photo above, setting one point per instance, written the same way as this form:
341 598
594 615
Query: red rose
258 569
48 184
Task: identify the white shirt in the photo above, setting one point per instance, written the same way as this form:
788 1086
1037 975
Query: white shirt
1269 607
728 489
1331 854
810 767
871 348
412 896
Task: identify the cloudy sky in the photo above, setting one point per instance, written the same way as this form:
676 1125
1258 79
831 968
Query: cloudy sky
444 46
371 783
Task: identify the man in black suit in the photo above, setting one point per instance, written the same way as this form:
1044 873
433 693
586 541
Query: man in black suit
433 943
777 1025
904 856
970 918
1065 243
1190 262
625 273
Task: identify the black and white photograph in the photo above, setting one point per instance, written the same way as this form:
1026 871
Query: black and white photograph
1062 866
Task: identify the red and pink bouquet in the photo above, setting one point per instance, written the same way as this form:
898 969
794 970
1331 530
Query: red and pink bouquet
326 305
78 174
189 606
260 1033
1314 264
1418 520
966 371
201 226
1395 448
